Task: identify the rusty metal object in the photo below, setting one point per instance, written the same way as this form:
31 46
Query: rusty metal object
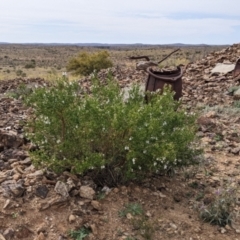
236 71
169 55
140 57
157 80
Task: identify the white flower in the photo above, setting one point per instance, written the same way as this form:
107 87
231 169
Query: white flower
102 167
147 142
130 138
58 141
126 148
154 164
145 151
139 167
164 123
134 160
165 166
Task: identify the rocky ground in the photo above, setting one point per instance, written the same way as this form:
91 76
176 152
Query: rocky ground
38 204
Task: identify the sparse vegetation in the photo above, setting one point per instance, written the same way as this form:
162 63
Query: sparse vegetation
79 234
220 210
132 208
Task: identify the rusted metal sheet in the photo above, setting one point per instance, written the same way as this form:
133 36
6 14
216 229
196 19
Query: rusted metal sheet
236 71
158 79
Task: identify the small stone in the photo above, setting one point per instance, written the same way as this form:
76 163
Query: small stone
40 237
96 205
26 161
148 214
2 237
72 218
6 203
228 227
61 188
8 233
235 150
162 195
116 190
94 229
129 216
36 174
13 160
42 228
16 177
42 191
223 230
174 226
86 192
16 189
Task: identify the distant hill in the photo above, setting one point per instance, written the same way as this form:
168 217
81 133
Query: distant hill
109 45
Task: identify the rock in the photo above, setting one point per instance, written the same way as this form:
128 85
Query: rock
13 189
96 205
223 230
174 226
2 237
223 68
61 188
36 174
26 161
6 204
86 192
42 191
9 233
94 229
129 216
72 218
42 228
10 139
40 237
70 184
148 214
237 231
235 150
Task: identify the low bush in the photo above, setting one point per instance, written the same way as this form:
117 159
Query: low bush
102 134
221 210
86 63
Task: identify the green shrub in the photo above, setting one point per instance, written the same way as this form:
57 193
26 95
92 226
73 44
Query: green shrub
86 63
102 134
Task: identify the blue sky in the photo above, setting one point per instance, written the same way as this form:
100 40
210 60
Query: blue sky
125 21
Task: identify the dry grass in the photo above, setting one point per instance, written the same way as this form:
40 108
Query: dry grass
51 60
